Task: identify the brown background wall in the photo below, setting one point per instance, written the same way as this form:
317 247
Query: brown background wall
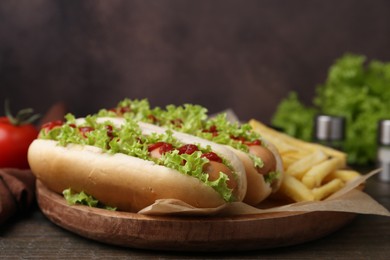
245 55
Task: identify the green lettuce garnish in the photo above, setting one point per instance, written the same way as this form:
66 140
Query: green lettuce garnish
257 162
193 166
82 198
194 120
356 89
227 130
138 109
188 118
221 187
271 177
294 118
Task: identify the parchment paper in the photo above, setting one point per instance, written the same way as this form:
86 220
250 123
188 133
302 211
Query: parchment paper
349 199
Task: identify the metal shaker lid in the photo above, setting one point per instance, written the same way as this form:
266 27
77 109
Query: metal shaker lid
384 132
329 128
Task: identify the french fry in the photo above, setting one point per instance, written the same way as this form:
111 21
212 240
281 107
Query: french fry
344 175
282 146
295 155
313 178
295 189
271 134
287 161
312 171
327 189
301 166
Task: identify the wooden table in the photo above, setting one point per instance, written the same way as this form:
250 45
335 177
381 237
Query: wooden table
33 236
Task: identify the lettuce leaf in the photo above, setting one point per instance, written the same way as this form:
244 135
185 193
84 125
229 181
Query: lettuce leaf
271 177
134 108
187 118
82 198
193 119
294 118
227 130
356 89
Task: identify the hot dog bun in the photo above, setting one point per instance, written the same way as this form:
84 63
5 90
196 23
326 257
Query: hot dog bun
123 181
258 189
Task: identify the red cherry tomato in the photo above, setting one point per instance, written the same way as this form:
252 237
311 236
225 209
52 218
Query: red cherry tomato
14 143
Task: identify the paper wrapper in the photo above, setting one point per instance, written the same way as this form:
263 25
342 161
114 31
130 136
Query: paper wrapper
349 199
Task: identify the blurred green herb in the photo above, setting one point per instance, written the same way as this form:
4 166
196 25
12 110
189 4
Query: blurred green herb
294 118
356 89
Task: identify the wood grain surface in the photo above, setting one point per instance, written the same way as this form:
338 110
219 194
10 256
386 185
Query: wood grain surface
34 236
246 232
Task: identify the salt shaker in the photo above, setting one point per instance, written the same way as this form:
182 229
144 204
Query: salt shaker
384 150
329 130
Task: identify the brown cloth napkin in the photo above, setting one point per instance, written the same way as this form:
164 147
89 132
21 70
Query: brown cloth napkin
17 192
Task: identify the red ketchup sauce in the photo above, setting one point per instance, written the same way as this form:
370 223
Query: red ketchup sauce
162 146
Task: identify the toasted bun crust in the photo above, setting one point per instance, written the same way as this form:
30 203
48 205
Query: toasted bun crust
279 165
257 188
122 181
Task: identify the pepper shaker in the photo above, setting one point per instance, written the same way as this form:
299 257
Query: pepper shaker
384 150
329 130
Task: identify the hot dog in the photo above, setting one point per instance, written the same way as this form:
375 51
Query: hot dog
263 164
129 166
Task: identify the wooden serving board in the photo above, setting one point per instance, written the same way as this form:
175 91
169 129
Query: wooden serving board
245 232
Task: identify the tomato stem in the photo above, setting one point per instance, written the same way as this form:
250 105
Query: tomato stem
23 117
